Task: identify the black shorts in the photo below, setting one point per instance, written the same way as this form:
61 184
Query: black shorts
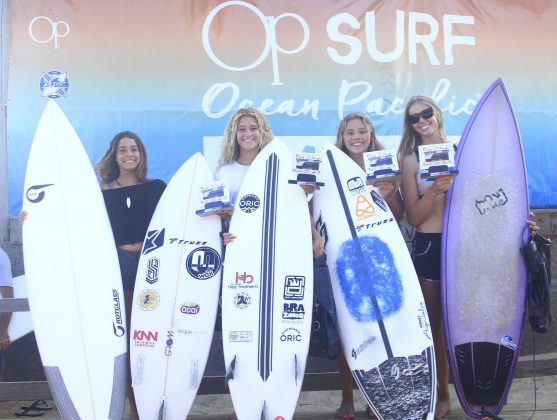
128 267
426 255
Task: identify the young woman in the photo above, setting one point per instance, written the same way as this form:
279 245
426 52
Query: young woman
245 135
130 199
424 202
356 136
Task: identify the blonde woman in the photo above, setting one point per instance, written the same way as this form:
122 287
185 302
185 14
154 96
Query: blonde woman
356 136
424 203
246 133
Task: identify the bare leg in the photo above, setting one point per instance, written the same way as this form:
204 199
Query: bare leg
346 410
432 297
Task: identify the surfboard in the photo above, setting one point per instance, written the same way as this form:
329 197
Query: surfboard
267 289
175 297
382 316
21 323
484 280
73 276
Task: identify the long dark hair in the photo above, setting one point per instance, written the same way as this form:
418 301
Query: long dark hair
107 168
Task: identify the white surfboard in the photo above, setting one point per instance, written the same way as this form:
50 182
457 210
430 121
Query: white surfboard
382 315
73 276
21 323
267 290
175 297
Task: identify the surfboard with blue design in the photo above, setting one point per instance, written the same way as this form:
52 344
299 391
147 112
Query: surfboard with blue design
382 315
483 276
267 290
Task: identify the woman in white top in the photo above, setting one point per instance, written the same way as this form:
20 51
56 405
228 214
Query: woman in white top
245 135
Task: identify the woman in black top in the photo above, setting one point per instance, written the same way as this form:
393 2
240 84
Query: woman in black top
130 200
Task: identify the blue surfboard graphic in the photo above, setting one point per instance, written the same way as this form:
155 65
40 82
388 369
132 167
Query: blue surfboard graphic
365 268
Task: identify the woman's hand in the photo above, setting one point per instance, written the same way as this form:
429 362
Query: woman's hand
386 188
318 246
22 216
225 213
442 184
532 225
228 237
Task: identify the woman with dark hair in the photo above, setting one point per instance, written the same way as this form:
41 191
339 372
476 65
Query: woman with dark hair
130 199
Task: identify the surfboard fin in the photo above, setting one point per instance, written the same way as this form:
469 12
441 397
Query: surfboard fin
138 370
230 371
263 410
162 409
194 374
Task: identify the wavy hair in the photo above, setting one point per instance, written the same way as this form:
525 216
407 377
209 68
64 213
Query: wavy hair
230 151
410 138
108 170
374 144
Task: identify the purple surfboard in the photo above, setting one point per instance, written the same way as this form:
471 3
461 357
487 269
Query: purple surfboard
483 275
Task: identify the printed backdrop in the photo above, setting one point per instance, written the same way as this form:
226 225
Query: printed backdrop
175 71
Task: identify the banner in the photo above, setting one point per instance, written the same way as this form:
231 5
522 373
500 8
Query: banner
174 72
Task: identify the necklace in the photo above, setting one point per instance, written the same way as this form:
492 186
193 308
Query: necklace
128 198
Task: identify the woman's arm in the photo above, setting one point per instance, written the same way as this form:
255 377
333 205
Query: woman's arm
418 209
391 193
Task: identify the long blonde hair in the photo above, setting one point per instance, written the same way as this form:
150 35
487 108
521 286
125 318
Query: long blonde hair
374 144
230 151
107 168
410 138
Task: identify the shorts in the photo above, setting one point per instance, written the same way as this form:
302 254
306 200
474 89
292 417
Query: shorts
426 256
129 260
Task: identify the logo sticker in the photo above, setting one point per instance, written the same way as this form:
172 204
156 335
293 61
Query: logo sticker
242 300
294 287
152 270
169 343
364 208
203 263
148 300
145 338
293 311
153 240
491 201
378 200
189 308
54 84
355 185
240 336
508 342
290 335
249 203
35 193
117 324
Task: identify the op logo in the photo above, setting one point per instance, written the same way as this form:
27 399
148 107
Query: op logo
203 263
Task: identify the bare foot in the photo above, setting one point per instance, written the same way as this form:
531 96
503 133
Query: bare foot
442 409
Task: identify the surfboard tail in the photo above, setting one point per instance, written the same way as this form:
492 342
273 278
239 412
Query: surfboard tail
162 409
